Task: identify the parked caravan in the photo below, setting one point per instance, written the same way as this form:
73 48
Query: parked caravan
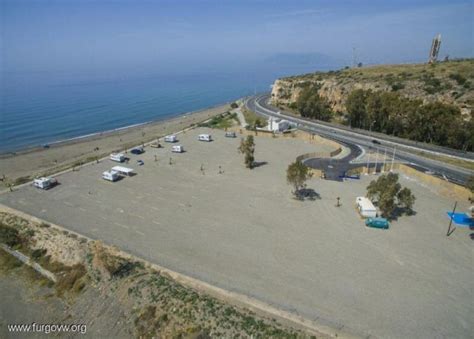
45 183
119 157
177 149
110 175
205 137
230 135
366 208
171 138
123 170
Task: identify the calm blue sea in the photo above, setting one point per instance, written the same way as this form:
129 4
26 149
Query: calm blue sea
44 107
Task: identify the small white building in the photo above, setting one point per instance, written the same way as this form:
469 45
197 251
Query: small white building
277 124
110 175
366 207
171 138
119 157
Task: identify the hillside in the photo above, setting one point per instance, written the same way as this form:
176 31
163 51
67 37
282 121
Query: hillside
449 82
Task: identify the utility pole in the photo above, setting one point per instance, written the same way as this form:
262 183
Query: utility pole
376 160
368 158
451 221
384 159
393 158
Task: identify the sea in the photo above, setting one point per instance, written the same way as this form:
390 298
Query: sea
39 108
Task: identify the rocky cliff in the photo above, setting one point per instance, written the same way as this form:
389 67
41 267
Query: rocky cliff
449 82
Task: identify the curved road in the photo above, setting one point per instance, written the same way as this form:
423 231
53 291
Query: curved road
403 149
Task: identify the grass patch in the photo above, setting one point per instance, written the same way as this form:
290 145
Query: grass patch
222 121
8 262
456 162
252 119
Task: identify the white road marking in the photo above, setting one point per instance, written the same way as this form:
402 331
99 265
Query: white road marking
156 222
141 233
121 225
67 204
82 209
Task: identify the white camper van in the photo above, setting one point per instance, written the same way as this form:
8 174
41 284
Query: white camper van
110 175
366 208
177 149
44 183
119 157
171 138
205 137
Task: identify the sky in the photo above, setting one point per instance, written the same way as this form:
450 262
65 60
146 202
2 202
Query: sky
139 35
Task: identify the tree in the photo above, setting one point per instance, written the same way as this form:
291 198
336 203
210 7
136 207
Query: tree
234 105
389 194
296 175
356 107
406 199
311 105
247 148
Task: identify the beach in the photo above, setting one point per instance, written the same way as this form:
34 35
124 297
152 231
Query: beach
17 167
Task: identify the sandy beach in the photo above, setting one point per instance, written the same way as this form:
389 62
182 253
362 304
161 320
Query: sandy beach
59 156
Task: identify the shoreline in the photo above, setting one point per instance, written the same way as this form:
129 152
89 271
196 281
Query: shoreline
105 133
26 164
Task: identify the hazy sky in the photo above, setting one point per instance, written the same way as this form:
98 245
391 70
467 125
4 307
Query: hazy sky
41 35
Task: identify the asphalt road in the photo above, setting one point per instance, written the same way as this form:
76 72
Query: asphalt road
403 152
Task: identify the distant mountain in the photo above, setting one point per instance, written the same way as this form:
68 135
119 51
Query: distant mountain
303 59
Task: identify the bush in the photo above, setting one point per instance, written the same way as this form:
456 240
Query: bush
38 253
9 236
69 279
458 78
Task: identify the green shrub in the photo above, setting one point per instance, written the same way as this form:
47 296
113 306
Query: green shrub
9 236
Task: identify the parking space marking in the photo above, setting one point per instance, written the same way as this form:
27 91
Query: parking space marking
156 222
121 225
141 233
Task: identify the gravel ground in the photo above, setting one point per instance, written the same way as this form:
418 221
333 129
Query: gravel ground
242 231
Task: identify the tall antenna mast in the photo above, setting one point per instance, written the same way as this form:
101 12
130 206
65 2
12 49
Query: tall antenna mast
434 51
354 57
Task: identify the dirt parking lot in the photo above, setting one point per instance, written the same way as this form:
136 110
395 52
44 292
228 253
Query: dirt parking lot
242 231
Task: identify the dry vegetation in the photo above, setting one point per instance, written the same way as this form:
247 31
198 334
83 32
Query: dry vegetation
448 82
158 305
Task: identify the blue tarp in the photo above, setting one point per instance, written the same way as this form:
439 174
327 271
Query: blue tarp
461 219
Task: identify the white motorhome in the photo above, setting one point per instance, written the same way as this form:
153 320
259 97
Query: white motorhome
171 138
205 137
177 149
44 183
366 207
110 175
119 157
123 170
